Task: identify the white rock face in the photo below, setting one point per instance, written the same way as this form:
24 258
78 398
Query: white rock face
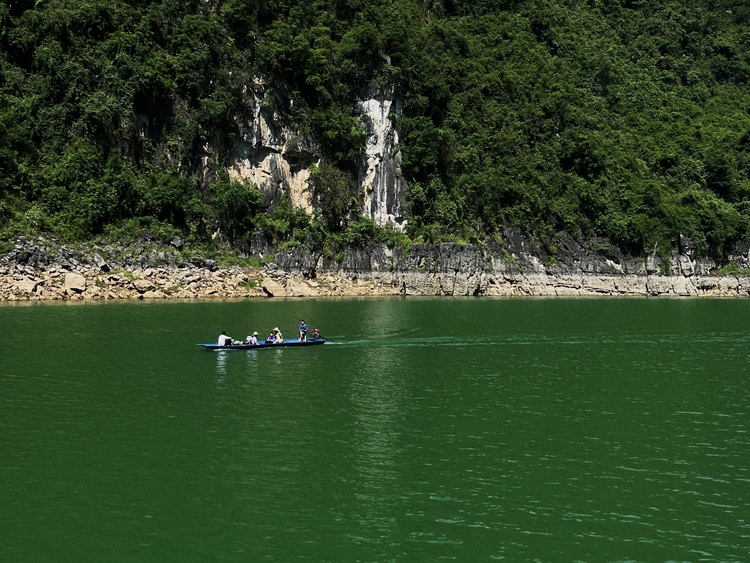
277 159
381 179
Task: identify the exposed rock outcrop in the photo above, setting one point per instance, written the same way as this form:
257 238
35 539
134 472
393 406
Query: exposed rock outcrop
381 180
521 266
43 269
271 155
277 157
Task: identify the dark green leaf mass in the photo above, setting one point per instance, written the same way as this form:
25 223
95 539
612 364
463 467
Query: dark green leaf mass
622 119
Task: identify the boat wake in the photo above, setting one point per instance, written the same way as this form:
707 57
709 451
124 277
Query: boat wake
564 340
430 341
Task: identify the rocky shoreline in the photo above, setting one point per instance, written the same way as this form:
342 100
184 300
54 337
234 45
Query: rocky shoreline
41 269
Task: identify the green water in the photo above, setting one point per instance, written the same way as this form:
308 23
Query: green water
430 429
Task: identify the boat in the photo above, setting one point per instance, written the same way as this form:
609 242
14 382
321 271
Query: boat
264 345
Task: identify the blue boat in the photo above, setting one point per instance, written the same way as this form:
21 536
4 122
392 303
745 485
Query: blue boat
265 345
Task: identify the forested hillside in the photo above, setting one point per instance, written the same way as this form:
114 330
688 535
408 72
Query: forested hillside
622 119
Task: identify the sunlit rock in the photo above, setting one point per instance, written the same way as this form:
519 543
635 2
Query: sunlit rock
276 158
74 282
380 176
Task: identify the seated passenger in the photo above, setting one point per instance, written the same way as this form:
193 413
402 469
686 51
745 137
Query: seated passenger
279 338
271 338
252 339
224 340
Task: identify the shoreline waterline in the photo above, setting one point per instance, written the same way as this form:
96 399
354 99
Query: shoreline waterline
23 283
46 270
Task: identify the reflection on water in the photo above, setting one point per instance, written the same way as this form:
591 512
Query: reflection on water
250 357
377 394
221 363
223 357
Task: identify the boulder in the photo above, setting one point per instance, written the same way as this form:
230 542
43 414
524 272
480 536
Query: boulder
74 282
101 263
142 286
153 295
27 285
272 288
301 290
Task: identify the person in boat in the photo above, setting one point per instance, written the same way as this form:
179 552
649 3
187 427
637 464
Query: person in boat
316 333
302 331
224 340
252 339
271 338
277 332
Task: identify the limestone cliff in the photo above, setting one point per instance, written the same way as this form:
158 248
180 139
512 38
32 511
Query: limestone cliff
276 157
271 155
519 265
380 179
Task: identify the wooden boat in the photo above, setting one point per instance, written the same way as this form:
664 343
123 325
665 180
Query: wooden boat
263 345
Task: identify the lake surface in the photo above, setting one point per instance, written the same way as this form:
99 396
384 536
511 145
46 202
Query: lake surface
428 430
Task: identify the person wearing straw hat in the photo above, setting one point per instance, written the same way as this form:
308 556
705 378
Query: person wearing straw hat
253 339
277 333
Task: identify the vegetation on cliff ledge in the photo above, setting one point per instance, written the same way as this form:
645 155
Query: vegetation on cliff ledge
622 119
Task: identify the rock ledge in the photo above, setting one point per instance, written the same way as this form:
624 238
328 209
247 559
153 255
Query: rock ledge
42 269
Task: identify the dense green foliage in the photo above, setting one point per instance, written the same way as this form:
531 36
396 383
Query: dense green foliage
623 119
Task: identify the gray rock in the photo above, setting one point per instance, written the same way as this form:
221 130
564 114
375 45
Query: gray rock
101 263
298 260
166 258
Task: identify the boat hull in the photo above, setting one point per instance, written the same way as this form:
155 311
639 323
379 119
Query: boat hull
264 345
